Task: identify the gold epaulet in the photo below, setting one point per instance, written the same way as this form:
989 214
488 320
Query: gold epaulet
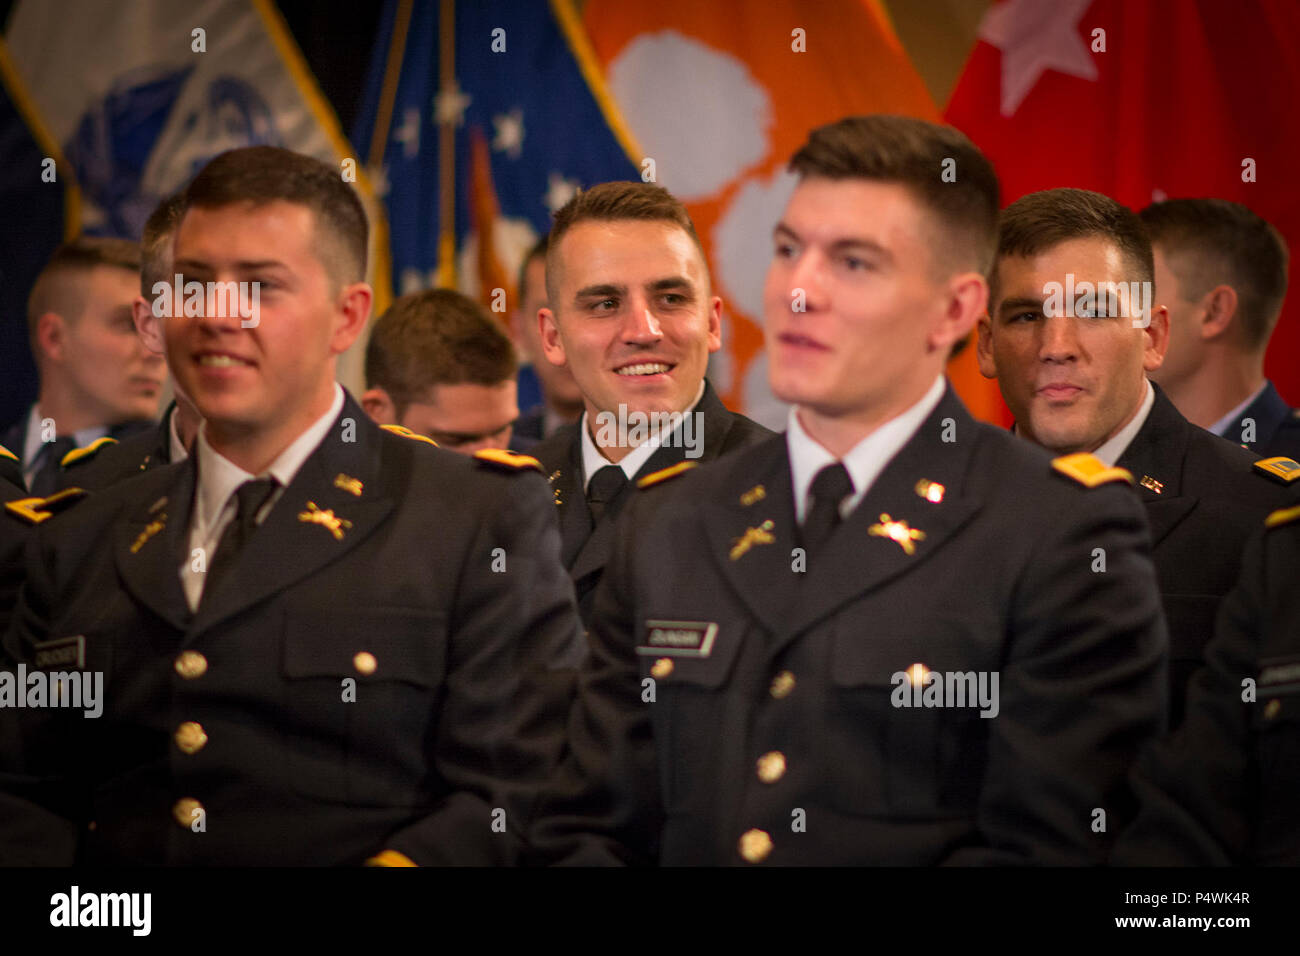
505 458
663 474
407 433
6 453
84 454
1088 470
1282 516
1280 469
36 510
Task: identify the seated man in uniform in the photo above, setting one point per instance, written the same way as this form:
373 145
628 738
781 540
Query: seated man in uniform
326 642
877 638
1072 360
438 365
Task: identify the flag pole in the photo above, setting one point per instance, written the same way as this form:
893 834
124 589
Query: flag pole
446 278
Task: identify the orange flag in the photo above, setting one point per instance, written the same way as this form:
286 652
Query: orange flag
718 96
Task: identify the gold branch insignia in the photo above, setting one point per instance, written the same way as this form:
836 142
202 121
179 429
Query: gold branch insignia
348 484
326 519
897 531
151 529
753 495
752 536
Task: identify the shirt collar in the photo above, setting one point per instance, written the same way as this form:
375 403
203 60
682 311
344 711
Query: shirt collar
1110 451
593 460
219 477
33 445
175 447
864 461
1221 427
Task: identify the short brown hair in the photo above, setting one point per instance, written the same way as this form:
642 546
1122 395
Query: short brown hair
615 202
1211 242
54 290
538 251
263 174
914 154
436 337
1043 220
156 243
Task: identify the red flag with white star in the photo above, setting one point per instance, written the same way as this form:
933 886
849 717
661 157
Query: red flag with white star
1146 100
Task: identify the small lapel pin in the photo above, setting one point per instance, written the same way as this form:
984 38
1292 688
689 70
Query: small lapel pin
753 495
551 478
1149 482
897 531
349 484
752 536
326 519
151 529
930 490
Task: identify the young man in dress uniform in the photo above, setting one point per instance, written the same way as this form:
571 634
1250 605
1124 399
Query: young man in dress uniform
321 642
886 636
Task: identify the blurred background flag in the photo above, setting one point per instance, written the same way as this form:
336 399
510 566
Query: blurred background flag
140 95
720 95
40 199
1146 100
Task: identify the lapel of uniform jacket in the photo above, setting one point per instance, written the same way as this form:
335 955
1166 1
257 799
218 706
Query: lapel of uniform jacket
1269 411
305 529
715 422
862 555
151 542
756 503
564 472
1155 459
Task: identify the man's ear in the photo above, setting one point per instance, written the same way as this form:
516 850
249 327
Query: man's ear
552 344
984 346
715 323
51 335
378 404
353 309
1220 308
968 295
1157 339
148 326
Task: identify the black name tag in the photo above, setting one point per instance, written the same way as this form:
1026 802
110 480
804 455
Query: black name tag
678 638
66 652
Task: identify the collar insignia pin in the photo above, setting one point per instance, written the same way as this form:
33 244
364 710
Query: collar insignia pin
753 495
326 519
897 531
1149 482
349 484
752 536
151 529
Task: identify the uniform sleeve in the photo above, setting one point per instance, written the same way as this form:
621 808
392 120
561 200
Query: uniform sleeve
1083 688
603 808
1195 787
501 726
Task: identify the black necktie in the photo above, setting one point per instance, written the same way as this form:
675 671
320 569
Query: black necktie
603 488
250 496
46 480
830 487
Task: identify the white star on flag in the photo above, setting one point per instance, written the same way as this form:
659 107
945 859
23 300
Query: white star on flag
1035 36
510 133
408 134
450 104
559 191
378 180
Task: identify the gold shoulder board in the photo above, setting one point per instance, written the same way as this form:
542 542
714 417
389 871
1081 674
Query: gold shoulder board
1088 470
1282 516
407 433
6 453
1284 470
663 474
84 454
36 510
507 459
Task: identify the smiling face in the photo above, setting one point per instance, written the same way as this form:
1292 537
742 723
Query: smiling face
1072 382
858 323
264 384
633 317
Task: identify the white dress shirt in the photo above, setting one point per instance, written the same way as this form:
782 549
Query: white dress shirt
1110 451
219 478
593 459
864 461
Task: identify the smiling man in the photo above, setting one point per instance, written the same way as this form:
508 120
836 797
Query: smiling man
789 645
633 316
325 643
1074 374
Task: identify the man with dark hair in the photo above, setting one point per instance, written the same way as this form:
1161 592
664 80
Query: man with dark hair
1072 330
561 398
631 313
840 646
328 642
438 365
1222 272
97 378
106 461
